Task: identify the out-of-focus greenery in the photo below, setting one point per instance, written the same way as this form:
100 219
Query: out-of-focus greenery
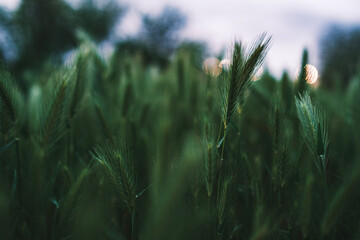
40 34
119 149
158 38
42 30
340 55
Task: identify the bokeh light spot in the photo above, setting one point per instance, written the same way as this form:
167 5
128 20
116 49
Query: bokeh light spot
225 64
211 66
312 74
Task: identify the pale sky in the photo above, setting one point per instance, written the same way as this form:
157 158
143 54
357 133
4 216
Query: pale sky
293 24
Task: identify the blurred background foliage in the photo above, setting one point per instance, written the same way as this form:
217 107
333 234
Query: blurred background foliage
340 53
145 144
44 30
40 32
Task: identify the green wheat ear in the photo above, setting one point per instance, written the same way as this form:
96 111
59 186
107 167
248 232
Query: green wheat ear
79 81
224 199
118 166
244 65
53 113
208 171
10 105
313 130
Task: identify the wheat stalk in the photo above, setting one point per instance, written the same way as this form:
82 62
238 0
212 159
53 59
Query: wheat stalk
118 165
313 130
10 105
53 113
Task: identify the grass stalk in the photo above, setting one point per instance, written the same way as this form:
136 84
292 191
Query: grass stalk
19 171
325 182
133 213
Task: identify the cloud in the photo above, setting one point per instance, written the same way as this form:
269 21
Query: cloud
9 4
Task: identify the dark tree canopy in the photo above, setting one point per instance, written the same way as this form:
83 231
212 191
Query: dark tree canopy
159 33
157 39
44 29
98 22
340 55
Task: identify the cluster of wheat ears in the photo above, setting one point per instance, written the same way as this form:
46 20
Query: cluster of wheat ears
114 149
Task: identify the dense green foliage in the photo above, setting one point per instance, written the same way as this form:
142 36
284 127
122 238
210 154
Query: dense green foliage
115 149
340 55
43 30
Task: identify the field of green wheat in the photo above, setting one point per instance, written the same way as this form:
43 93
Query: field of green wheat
112 148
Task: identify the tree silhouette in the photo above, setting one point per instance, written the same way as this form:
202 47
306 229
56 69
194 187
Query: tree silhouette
340 55
157 39
44 29
159 33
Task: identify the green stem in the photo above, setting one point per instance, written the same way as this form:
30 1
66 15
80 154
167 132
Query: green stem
19 170
133 224
219 134
326 187
223 145
209 216
221 157
53 224
220 175
68 146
